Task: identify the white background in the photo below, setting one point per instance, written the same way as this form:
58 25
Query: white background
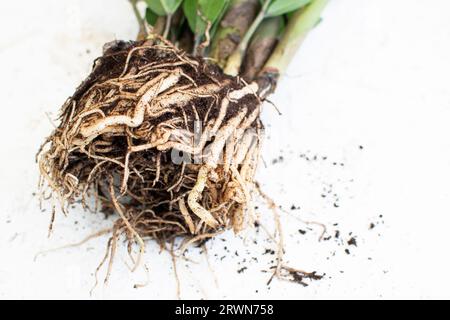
374 73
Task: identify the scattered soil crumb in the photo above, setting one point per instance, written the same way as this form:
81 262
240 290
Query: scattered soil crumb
242 269
277 160
352 242
269 251
299 277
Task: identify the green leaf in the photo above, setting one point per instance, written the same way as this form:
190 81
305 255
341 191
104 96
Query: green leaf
163 7
212 9
216 24
280 7
200 12
150 17
190 11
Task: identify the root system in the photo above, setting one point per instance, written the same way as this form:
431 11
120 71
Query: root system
163 139
166 141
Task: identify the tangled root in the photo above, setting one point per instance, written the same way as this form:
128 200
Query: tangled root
164 139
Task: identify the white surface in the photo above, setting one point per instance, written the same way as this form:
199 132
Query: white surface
374 73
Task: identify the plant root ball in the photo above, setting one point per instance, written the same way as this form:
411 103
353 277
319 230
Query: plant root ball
162 138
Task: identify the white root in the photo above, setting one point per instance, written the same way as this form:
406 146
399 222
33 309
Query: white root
182 96
165 136
211 163
195 195
242 147
128 225
221 137
186 244
158 169
232 96
126 108
251 88
193 148
184 211
158 85
238 219
229 151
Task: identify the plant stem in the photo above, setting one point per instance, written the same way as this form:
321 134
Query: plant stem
234 62
302 21
142 30
232 28
160 25
197 41
261 47
175 28
167 26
